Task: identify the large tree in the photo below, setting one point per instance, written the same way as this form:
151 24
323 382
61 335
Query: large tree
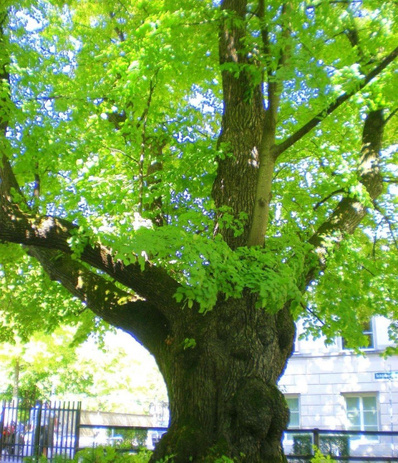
201 174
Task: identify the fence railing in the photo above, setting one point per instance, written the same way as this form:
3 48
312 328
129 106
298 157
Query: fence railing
47 428
55 429
341 445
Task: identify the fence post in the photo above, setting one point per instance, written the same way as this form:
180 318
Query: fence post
316 437
2 414
77 427
37 429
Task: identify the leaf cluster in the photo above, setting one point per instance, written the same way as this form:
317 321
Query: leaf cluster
359 283
206 266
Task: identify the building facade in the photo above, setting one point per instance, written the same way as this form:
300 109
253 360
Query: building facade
332 388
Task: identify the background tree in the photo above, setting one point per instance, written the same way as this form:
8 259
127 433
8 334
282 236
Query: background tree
38 369
103 374
194 173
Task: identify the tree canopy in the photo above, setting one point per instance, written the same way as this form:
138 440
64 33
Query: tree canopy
112 123
165 161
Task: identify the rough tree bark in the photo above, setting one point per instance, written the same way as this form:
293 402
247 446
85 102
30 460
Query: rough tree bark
223 394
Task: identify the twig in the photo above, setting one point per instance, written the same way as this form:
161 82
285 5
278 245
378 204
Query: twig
322 115
389 223
322 201
312 312
393 113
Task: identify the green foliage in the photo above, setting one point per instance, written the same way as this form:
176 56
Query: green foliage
103 373
320 458
207 266
28 300
98 455
131 438
224 459
360 281
43 459
189 343
332 445
44 364
110 454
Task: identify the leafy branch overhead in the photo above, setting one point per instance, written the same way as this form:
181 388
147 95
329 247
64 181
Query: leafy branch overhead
264 48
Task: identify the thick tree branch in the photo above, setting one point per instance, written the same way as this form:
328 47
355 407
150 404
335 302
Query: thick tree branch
242 124
143 121
265 174
316 120
52 233
350 211
115 306
392 180
273 84
274 88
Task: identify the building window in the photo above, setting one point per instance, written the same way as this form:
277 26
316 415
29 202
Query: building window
294 407
367 330
362 412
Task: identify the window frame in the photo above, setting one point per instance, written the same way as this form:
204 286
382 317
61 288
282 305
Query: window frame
292 411
363 427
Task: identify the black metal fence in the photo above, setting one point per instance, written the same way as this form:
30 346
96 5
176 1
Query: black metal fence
299 444
341 445
52 429
47 428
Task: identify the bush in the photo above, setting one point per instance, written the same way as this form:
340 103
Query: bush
131 438
320 458
110 454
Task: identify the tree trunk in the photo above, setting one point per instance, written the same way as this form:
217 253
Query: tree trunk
223 394
15 384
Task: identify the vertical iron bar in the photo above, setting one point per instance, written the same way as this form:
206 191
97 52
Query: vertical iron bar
77 428
61 425
57 441
316 437
13 428
37 430
71 408
68 429
2 415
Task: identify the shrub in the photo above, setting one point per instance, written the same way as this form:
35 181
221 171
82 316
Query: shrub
320 458
110 454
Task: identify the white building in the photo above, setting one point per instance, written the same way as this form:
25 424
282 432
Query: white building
329 387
